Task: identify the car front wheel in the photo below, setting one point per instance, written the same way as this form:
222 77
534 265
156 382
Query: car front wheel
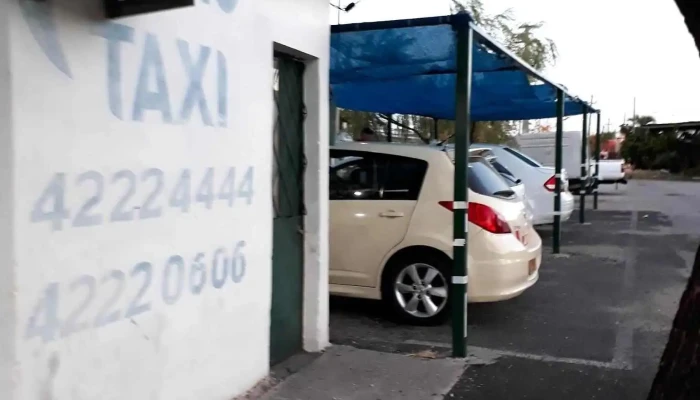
417 290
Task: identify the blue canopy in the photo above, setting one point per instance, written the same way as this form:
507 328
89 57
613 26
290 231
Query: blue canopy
409 67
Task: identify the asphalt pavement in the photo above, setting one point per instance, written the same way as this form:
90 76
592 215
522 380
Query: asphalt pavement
593 327
595 324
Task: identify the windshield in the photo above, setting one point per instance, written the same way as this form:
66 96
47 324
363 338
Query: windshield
485 180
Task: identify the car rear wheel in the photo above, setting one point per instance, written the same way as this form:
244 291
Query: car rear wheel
417 290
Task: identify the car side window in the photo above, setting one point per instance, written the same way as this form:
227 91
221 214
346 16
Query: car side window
355 176
369 176
404 178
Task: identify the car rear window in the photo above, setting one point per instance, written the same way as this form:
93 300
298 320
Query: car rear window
502 169
512 181
485 180
530 161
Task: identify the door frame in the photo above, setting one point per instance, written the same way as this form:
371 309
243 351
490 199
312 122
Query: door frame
315 313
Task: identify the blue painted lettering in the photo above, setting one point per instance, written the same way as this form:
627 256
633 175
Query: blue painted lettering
177 264
50 205
152 90
45 322
84 217
151 71
115 35
195 73
222 88
198 274
226 6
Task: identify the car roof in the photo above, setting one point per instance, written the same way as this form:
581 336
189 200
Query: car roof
489 146
412 150
400 149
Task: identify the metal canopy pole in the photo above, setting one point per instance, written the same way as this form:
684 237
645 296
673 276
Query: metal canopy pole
389 127
584 169
435 128
597 162
557 172
458 292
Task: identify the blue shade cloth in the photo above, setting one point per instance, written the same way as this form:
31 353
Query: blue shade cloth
400 69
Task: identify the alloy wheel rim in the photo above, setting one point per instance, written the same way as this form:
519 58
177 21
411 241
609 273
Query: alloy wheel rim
421 290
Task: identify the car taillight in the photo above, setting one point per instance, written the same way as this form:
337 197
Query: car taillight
483 216
551 183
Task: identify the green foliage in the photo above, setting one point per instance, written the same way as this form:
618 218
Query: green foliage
648 149
522 38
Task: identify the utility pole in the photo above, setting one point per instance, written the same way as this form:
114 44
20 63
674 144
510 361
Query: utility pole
339 8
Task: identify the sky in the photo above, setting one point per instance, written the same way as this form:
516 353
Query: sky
613 50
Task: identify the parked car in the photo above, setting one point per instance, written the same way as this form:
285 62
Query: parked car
516 184
391 230
539 182
610 171
541 147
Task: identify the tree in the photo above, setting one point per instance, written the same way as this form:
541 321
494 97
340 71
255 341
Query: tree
636 122
523 39
678 375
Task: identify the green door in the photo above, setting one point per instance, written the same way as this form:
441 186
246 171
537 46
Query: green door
288 203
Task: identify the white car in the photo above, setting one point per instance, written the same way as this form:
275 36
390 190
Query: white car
391 230
541 147
539 182
515 183
610 171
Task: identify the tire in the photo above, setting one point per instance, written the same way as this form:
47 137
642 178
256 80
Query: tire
420 295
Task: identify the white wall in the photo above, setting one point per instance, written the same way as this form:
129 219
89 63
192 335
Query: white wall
96 138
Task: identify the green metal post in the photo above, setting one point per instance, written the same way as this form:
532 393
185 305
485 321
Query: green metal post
597 162
435 128
389 127
584 169
458 292
557 172
333 127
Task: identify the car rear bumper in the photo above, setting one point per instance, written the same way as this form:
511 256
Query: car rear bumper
567 208
505 275
611 181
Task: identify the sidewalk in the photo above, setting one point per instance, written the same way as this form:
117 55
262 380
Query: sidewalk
346 373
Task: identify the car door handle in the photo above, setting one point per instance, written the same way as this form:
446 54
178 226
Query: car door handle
391 214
